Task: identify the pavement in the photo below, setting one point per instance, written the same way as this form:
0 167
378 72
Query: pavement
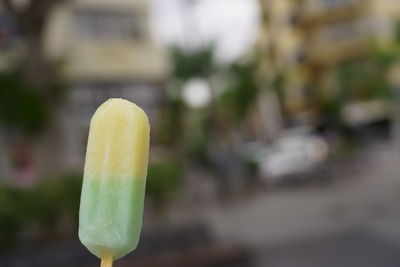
348 249
353 222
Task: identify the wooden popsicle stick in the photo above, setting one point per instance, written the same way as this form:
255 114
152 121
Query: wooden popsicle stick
106 261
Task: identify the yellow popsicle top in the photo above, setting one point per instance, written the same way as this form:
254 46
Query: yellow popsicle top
118 143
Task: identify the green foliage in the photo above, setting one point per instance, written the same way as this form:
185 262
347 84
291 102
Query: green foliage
164 179
362 80
46 203
242 89
365 80
397 33
186 65
331 109
170 125
21 106
191 129
191 64
198 138
11 218
278 85
55 196
43 204
384 58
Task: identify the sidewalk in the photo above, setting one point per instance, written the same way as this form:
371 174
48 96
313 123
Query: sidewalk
366 201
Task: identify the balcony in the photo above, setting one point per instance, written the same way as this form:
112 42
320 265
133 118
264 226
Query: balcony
319 11
116 61
106 44
334 43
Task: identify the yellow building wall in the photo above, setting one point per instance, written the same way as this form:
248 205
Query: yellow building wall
106 59
337 38
327 34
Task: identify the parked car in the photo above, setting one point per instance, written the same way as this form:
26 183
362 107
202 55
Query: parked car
296 152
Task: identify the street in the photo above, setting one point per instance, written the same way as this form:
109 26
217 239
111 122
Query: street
309 226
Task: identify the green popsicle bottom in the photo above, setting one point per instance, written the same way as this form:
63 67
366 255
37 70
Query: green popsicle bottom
111 211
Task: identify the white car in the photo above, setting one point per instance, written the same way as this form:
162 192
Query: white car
296 152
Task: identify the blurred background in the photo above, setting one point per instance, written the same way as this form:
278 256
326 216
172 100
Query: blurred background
275 128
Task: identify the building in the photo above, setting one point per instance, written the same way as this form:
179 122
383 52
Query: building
305 41
104 49
282 46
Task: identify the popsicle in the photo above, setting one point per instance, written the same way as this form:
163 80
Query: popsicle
111 207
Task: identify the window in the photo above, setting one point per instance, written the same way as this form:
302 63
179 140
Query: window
8 31
337 4
378 26
341 31
300 57
108 25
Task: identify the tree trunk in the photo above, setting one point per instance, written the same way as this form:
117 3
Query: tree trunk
34 67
